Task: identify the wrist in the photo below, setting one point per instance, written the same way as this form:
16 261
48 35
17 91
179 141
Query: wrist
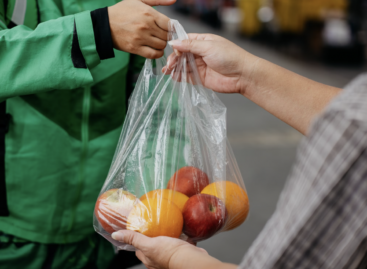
212 262
193 259
111 19
249 75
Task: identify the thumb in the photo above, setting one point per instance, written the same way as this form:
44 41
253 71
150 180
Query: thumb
197 47
158 2
132 238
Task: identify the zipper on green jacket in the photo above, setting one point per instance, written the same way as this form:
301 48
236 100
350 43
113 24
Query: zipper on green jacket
84 151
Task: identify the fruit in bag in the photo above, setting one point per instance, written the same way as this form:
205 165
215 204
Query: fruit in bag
175 137
188 180
204 215
235 200
156 217
112 209
178 198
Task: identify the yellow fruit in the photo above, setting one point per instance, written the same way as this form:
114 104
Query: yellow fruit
156 217
235 199
178 198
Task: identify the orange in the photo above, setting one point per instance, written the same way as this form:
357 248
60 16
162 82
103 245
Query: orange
156 217
235 199
178 198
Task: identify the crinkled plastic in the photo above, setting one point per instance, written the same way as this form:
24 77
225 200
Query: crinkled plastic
174 172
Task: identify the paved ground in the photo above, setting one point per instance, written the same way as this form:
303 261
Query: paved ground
264 146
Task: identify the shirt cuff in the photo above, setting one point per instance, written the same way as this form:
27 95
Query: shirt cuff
87 44
76 53
102 33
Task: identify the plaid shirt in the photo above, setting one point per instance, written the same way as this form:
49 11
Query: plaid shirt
321 216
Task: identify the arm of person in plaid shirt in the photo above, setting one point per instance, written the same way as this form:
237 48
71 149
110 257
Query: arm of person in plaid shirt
321 216
320 221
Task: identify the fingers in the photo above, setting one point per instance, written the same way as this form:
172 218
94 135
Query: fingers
158 2
140 255
157 43
207 37
198 44
194 36
135 239
172 61
148 52
197 47
159 33
161 20
203 250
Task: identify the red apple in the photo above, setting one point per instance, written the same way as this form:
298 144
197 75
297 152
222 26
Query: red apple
188 180
112 209
203 215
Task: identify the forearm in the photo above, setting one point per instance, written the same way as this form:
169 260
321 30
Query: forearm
203 264
290 97
199 261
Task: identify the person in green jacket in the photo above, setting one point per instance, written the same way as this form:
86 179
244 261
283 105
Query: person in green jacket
65 76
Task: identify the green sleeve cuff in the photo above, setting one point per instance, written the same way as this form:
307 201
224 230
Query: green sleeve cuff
84 27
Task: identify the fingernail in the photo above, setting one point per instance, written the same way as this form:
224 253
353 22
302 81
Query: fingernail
174 42
118 236
178 53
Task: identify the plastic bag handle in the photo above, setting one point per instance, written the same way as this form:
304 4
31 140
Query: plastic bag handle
148 68
177 31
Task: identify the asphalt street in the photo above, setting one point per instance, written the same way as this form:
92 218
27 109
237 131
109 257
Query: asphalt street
264 146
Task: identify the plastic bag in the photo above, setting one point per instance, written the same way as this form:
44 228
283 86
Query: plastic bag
173 172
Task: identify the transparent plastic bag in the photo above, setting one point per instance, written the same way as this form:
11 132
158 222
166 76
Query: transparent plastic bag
174 172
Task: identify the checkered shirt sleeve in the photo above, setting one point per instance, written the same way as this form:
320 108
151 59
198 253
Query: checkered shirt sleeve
321 217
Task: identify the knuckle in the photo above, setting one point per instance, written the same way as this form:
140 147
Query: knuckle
136 38
163 45
147 11
144 26
159 54
130 47
150 55
128 238
154 54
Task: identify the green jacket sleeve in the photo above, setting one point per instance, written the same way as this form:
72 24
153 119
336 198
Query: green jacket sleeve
34 61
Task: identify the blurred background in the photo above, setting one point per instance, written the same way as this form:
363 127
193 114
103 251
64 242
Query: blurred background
324 40
330 30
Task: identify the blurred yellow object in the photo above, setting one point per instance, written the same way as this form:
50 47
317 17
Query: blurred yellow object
291 16
250 23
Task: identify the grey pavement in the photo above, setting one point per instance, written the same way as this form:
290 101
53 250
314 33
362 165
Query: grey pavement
264 146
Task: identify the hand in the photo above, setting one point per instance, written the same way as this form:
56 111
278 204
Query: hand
138 28
223 66
165 252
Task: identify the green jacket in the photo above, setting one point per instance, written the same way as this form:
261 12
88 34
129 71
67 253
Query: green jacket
65 121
